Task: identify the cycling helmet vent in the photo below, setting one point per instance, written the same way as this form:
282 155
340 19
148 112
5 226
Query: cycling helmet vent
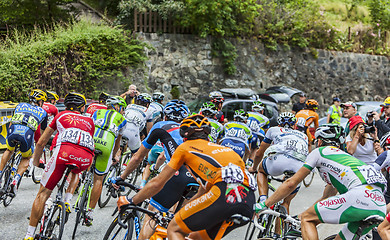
37 95
287 120
195 127
76 99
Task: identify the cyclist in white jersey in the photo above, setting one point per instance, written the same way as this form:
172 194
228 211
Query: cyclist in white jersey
360 187
137 116
156 106
284 149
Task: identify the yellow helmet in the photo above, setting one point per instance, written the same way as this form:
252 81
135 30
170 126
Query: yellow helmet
76 99
52 95
37 95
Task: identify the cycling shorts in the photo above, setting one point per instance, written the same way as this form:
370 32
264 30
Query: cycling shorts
173 190
154 153
352 207
66 154
256 140
105 143
207 213
131 132
237 146
24 135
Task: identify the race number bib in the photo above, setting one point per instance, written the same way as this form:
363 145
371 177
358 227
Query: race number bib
251 180
79 137
17 118
301 122
254 126
232 174
371 175
32 123
20 118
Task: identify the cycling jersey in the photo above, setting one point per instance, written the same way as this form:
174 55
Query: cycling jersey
220 116
237 131
216 130
51 110
286 141
93 108
156 109
138 115
109 124
305 118
256 121
74 146
25 121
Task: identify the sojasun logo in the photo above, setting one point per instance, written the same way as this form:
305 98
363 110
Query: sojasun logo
332 203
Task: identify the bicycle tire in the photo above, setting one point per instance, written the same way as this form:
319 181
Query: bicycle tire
120 233
7 199
81 205
56 218
36 174
105 196
331 237
310 179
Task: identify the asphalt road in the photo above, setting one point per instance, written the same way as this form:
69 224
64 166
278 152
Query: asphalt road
14 221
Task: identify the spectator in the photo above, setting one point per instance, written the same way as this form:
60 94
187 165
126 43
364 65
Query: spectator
364 146
334 112
349 110
130 94
299 105
383 126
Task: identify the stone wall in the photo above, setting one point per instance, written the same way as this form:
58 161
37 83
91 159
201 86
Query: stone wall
186 61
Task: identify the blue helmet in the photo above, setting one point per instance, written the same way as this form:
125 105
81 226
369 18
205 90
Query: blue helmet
287 120
176 110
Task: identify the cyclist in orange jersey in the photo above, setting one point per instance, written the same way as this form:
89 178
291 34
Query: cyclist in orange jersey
306 117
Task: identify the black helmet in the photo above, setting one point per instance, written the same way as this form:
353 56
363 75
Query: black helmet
158 96
144 99
76 99
287 120
195 127
103 97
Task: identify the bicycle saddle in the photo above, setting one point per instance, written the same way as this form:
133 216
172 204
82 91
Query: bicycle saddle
288 174
71 165
16 142
239 219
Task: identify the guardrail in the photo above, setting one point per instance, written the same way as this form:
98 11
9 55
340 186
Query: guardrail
152 22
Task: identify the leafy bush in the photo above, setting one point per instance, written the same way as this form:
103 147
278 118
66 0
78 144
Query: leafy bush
81 56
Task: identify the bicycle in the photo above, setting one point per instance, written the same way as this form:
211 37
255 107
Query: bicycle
37 172
8 174
82 203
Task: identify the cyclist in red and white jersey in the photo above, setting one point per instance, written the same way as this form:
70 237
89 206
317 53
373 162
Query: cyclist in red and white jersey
75 146
96 106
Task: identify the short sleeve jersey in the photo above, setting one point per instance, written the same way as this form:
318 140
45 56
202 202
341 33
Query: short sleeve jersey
257 121
237 131
51 110
93 108
287 141
306 117
216 130
30 116
156 109
138 115
342 170
208 162
173 128
108 120
74 129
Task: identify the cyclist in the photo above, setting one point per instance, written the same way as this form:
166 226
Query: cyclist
75 147
217 98
26 120
259 124
226 186
306 117
209 110
168 132
109 126
96 106
284 149
156 106
49 105
237 134
360 187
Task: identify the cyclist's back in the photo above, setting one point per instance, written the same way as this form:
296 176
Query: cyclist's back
236 135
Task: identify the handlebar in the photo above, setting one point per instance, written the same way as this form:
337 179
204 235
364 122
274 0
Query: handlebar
285 217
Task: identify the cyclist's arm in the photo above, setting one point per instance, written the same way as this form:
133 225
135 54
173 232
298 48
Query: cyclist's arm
352 145
287 187
155 185
259 155
160 160
41 144
117 145
149 125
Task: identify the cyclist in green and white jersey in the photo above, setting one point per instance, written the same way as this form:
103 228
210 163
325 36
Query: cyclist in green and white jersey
360 187
109 125
210 111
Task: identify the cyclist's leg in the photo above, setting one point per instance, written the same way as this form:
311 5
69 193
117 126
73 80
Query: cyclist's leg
262 181
148 225
384 228
27 149
10 147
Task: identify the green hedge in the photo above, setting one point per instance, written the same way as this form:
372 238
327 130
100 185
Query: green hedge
81 56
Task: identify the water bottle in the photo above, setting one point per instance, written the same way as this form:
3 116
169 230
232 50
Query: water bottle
48 205
13 171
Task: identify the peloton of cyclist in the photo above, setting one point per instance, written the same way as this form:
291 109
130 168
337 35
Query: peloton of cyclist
109 126
168 132
217 98
259 124
360 187
75 146
96 106
226 187
209 110
25 121
283 149
237 135
306 117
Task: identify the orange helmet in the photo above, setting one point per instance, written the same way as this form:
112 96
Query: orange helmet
311 104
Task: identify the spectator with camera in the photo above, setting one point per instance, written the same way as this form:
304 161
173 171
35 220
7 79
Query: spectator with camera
383 126
362 140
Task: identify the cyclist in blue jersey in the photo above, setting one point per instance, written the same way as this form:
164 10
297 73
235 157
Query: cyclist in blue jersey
237 135
25 121
168 132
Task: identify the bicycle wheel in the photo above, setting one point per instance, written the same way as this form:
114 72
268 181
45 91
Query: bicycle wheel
55 222
308 179
6 188
37 174
81 206
105 196
115 231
